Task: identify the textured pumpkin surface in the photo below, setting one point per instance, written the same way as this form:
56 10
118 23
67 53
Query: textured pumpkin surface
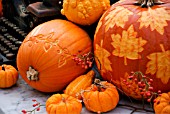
63 104
102 100
131 38
84 12
80 83
162 104
49 49
8 76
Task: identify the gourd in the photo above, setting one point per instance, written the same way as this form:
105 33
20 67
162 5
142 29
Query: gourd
162 104
134 36
100 97
80 83
84 12
8 76
63 104
44 59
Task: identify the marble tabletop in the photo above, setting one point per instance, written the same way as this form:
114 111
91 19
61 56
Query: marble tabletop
13 100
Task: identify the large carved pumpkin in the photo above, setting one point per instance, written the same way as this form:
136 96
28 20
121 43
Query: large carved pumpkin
44 59
135 36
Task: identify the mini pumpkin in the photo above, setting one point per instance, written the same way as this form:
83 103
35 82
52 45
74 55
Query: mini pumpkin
44 59
80 83
63 104
84 12
100 97
133 35
8 76
162 104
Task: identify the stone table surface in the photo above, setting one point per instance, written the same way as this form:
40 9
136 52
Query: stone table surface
19 97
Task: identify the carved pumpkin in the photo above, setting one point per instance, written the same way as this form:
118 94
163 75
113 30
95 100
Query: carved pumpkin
162 104
100 97
84 12
8 76
44 59
63 104
130 37
80 83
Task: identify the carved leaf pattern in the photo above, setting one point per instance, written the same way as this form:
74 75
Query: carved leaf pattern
49 42
128 45
155 18
159 64
120 15
102 55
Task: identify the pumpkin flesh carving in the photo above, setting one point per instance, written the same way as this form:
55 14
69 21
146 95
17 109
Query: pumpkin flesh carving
44 58
130 38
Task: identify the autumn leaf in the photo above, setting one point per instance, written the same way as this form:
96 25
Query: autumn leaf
127 45
102 55
159 64
155 19
120 15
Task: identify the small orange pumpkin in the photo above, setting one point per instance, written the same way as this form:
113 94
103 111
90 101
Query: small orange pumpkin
100 97
84 12
162 104
80 83
8 76
63 104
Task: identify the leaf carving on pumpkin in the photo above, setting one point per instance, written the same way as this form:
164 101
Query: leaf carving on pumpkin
120 15
127 45
102 55
159 64
62 60
155 19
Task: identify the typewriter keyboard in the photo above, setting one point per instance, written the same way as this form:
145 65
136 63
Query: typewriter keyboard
11 37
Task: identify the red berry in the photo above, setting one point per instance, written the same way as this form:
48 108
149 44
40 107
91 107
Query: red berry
149 100
24 111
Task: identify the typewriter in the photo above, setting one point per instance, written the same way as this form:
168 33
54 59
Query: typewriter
18 19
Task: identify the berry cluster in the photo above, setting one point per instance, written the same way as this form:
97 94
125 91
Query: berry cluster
144 85
37 106
85 60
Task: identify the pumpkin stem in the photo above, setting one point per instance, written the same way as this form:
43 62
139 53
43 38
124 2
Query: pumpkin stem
148 3
99 85
32 74
3 68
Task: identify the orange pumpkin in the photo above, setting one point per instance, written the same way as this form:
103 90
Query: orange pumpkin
44 59
100 97
135 37
80 83
8 76
84 12
162 104
63 104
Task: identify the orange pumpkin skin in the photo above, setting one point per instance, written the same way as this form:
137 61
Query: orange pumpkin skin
63 104
102 100
80 83
48 49
162 104
130 38
8 76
